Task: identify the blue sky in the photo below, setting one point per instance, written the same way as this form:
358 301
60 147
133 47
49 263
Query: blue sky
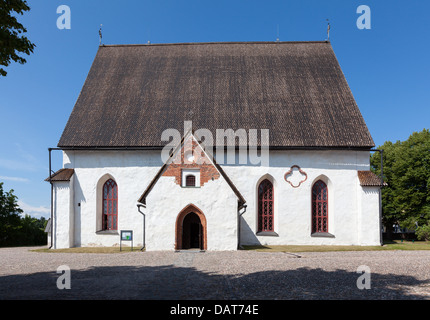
387 67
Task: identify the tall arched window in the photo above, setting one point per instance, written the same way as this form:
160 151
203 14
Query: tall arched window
265 206
110 205
319 207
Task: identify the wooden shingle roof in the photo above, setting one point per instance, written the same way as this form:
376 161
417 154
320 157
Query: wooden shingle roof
61 175
295 89
370 179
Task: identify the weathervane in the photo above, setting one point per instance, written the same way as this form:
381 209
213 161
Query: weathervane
328 30
100 34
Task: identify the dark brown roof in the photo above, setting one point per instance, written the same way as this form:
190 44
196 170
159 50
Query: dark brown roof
370 179
295 89
61 175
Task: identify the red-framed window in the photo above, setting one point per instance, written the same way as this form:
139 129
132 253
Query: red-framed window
110 205
190 181
265 206
319 207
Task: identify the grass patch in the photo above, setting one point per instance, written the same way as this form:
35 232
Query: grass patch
392 245
88 250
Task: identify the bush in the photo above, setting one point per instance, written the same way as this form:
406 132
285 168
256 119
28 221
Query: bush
423 232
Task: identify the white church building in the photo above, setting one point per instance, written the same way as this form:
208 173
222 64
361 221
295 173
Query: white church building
215 146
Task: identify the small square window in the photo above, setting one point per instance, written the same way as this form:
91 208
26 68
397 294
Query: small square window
190 178
190 181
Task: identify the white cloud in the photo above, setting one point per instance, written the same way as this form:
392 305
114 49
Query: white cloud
35 212
22 161
17 179
26 155
16 165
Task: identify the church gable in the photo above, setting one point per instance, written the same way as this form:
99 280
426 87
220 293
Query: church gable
191 166
190 159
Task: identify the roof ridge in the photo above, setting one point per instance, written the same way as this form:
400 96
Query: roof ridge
209 43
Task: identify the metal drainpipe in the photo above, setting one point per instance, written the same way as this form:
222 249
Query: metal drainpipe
52 196
380 195
144 224
238 223
382 164
51 221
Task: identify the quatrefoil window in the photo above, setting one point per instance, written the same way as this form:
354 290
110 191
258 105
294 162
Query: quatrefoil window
295 176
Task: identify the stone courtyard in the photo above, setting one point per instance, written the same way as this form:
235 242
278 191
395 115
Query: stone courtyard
223 275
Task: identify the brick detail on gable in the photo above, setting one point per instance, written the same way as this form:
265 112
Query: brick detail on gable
207 170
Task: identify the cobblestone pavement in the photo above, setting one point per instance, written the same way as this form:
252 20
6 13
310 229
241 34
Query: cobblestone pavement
215 275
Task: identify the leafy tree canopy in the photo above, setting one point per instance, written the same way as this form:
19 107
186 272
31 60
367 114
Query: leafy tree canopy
407 171
12 40
9 215
16 230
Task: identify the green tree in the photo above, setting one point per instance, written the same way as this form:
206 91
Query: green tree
10 220
12 40
30 232
16 230
423 232
406 199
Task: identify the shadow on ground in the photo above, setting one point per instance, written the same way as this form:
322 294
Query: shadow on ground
173 282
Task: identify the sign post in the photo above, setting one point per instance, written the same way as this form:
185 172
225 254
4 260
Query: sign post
126 235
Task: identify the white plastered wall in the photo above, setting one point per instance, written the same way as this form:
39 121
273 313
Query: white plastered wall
369 226
63 214
338 169
349 209
215 199
131 170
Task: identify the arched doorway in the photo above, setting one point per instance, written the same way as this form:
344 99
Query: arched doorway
191 229
192 233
